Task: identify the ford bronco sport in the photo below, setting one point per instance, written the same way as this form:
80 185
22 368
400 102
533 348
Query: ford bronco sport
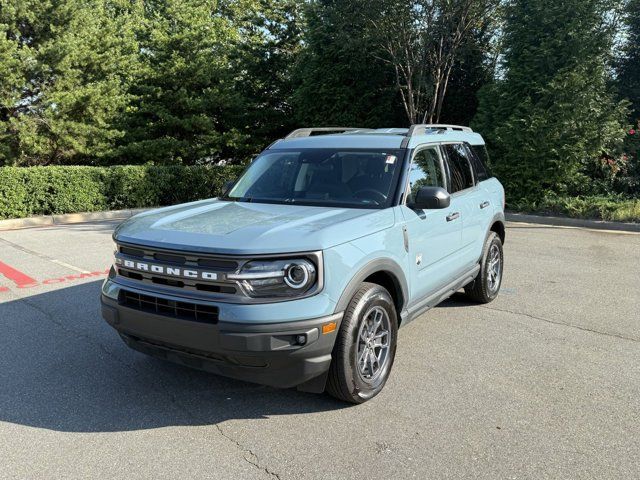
302 272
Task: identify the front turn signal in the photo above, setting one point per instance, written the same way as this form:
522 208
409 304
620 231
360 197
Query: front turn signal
329 327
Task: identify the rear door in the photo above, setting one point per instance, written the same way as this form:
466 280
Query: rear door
485 206
433 236
467 200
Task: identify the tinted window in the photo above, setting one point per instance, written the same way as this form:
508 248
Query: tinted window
326 177
459 167
426 171
480 159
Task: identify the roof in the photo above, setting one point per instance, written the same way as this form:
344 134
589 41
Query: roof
391 138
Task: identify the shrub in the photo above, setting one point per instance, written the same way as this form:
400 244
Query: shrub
54 190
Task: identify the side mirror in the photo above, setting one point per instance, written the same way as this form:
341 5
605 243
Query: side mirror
227 186
431 198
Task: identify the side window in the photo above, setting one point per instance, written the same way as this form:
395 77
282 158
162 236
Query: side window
459 167
480 160
426 171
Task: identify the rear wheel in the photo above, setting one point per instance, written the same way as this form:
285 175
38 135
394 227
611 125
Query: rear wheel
487 284
366 346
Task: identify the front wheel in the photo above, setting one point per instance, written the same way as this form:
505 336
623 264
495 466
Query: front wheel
487 284
366 346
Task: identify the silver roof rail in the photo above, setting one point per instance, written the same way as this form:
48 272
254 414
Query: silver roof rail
421 128
307 132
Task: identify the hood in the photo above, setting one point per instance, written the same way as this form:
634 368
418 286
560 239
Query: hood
216 226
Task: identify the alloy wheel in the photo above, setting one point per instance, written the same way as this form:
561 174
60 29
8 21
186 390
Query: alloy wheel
494 268
373 344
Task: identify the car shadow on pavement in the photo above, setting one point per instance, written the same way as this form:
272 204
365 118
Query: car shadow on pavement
63 368
457 300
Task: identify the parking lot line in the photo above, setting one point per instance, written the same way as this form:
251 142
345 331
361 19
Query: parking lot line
16 276
43 256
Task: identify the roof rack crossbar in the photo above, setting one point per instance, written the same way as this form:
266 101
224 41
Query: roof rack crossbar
307 132
421 128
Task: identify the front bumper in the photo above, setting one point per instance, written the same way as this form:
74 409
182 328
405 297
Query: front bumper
268 354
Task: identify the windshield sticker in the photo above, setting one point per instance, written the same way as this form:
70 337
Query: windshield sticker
391 159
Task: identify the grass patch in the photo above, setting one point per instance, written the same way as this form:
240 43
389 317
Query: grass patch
611 208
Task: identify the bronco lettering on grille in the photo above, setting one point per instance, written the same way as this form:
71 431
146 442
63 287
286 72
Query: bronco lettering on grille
162 270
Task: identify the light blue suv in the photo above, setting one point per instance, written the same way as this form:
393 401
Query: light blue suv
302 272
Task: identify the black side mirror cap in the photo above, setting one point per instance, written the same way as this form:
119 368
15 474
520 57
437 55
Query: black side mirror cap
431 198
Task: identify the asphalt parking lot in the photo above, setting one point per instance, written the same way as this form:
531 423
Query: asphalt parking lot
542 383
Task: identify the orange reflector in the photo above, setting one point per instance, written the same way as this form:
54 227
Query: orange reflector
329 327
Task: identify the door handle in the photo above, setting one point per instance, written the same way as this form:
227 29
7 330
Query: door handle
485 204
453 216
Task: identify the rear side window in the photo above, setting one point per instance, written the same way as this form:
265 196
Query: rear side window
480 160
459 167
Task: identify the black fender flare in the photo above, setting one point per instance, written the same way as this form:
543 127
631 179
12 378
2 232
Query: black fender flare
498 217
386 265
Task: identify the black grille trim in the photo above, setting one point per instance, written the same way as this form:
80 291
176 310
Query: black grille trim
133 252
220 289
169 308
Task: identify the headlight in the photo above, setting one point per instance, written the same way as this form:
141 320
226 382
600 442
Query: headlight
276 278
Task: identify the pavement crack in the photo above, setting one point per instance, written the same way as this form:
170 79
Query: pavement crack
564 324
49 316
249 456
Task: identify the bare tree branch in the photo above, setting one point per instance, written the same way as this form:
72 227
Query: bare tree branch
422 39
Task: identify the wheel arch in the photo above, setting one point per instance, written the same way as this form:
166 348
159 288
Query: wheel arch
384 272
498 227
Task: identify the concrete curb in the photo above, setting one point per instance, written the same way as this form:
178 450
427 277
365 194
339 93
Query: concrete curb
572 222
66 219
70 218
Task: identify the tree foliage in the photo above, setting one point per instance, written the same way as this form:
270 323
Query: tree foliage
341 80
65 67
473 69
422 39
552 114
199 81
184 96
270 45
138 81
629 60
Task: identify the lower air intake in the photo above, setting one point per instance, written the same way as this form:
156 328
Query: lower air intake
169 308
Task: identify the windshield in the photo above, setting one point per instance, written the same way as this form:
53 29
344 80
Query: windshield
324 177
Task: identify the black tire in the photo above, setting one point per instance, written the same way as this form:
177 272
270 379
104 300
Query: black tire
482 289
346 380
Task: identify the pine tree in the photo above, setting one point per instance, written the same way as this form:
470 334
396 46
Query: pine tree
629 63
264 62
184 92
67 66
551 113
341 79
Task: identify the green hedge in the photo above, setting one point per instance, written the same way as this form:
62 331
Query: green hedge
26 192
33 191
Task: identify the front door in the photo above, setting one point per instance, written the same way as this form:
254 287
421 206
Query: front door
433 236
